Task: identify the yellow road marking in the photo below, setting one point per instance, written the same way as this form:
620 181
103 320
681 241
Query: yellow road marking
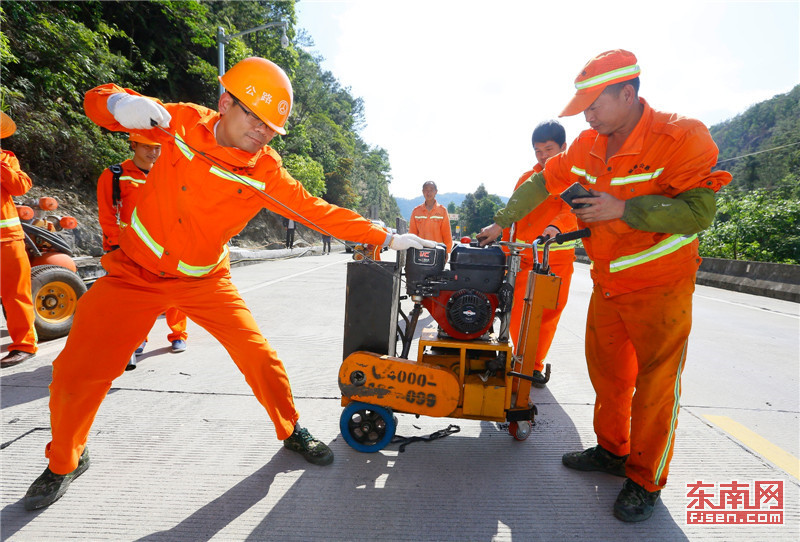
775 455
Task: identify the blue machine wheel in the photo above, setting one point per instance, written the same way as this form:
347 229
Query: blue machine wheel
367 428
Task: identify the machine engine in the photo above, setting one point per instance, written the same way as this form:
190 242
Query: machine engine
464 298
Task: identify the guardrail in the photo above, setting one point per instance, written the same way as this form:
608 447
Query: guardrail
775 280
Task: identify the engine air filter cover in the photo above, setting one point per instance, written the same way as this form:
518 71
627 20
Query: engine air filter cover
470 312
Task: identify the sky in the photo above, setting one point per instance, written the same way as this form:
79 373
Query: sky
453 89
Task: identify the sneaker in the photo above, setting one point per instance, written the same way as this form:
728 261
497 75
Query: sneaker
597 458
312 449
49 487
178 346
15 357
539 380
131 363
140 350
634 503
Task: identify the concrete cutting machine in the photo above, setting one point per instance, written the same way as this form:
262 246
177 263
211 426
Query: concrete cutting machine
464 368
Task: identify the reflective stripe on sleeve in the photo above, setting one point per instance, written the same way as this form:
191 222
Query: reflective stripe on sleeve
665 247
10 222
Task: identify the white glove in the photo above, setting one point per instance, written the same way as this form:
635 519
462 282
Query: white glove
409 240
135 112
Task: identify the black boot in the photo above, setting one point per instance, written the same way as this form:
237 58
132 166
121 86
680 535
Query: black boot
49 487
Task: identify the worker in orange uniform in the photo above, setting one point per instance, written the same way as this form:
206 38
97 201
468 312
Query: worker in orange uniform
651 191
549 139
118 188
430 220
15 276
215 173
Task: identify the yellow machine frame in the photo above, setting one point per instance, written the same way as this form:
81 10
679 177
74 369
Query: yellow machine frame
449 377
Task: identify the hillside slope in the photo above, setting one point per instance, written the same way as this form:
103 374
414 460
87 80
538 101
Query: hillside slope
761 147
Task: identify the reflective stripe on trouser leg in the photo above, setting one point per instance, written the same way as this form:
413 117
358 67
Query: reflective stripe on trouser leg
654 415
176 321
215 304
15 289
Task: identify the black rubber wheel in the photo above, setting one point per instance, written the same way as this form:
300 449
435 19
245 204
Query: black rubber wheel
55 292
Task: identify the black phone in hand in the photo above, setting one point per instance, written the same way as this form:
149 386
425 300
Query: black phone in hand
576 191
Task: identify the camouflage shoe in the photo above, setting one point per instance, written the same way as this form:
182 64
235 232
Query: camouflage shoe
49 487
313 450
635 503
596 458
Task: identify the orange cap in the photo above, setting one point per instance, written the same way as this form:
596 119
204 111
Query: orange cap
603 70
7 126
141 139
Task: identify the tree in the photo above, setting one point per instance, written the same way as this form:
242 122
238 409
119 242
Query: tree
307 171
478 209
761 147
53 52
756 226
339 185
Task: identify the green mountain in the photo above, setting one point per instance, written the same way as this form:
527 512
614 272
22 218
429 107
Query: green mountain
761 147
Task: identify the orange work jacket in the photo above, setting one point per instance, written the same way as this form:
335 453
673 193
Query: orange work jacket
113 219
665 155
190 207
552 212
15 182
433 224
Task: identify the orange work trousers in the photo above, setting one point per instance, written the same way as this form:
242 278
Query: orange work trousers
635 350
176 321
15 289
561 266
117 312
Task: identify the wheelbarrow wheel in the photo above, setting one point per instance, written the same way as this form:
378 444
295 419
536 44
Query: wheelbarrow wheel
520 430
367 428
55 292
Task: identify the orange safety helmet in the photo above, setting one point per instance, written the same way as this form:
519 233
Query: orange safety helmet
263 87
7 126
141 139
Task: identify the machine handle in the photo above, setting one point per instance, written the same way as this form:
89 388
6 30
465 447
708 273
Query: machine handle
572 235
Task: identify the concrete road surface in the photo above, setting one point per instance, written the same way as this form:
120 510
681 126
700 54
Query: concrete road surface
182 451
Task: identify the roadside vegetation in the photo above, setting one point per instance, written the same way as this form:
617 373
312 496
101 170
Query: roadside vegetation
52 52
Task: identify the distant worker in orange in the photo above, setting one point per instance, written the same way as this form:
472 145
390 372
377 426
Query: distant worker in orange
651 191
15 275
549 139
118 189
430 220
215 173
